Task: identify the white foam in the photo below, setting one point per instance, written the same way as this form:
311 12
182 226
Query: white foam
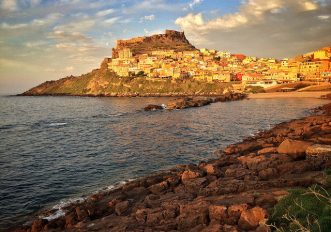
59 212
57 124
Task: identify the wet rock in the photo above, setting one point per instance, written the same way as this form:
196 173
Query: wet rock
152 107
81 214
250 219
188 102
37 225
295 148
70 220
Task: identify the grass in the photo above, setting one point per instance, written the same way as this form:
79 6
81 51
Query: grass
304 210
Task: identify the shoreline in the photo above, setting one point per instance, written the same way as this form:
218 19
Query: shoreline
169 196
317 94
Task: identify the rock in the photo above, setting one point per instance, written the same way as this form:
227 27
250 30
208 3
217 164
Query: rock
234 212
158 188
190 174
319 152
188 102
141 216
263 228
210 169
229 228
37 225
268 173
295 148
212 228
265 200
267 150
121 207
174 40
250 219
154 217
192 214
152 107
218 213
81 214
70 220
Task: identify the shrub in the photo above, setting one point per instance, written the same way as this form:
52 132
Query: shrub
303 210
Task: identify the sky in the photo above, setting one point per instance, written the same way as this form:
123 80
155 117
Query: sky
44 40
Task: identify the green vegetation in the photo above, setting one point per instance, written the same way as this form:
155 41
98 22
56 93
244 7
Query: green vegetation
104 82
306 210
255 89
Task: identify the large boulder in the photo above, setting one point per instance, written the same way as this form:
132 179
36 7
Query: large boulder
295 148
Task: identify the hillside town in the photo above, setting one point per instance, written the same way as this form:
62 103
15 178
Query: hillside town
222 66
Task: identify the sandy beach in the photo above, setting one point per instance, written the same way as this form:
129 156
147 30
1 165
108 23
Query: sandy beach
318 94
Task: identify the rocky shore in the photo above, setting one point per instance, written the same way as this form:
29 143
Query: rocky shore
231 193
189 102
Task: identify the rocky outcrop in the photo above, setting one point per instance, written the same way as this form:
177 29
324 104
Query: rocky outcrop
170 40
230 193
189 102
152 107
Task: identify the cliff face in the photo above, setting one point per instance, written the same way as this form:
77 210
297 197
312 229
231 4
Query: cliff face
171 40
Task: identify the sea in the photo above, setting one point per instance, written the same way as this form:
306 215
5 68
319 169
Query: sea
55 150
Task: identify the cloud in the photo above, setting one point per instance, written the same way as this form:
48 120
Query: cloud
111 21
152 5
194 3
9 5
147 18
69 36
264 28
69 68
105 12
77 25
35 23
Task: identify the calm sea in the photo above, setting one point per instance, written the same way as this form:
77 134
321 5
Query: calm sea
54 149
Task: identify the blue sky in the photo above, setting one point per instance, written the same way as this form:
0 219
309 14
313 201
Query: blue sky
43 40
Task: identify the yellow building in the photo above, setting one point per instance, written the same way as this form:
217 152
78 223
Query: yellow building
311 70
321 55
124 53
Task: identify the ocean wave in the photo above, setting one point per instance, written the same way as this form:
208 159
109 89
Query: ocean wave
58 210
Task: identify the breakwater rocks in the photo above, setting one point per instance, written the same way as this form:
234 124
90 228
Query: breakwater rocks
188 102
230 193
